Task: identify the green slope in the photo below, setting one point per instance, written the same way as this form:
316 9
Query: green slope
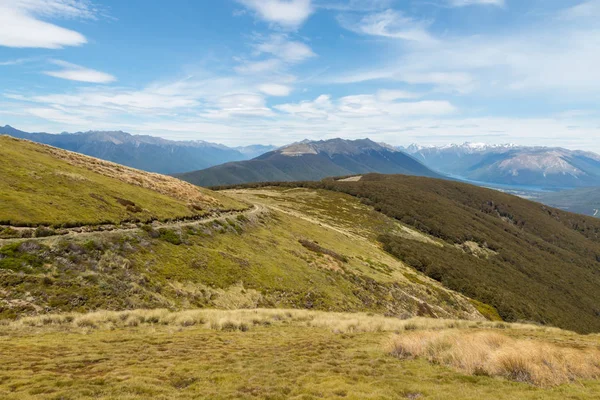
40 185
260 256
529 261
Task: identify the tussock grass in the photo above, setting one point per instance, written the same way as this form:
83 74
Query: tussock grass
253 354
244 319
494 354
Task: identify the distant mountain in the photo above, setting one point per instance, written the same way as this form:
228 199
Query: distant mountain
513 165
254 150
312 160
141 151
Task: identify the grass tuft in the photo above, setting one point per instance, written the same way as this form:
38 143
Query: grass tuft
493 354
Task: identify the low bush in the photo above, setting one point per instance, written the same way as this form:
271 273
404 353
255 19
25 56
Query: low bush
43 231
170 236
312 246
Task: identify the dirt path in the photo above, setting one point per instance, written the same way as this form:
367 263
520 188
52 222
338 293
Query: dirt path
297 214
82 232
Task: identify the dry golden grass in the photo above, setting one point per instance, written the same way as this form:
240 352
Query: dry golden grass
263 353
215 319
493 354
160 183
166 185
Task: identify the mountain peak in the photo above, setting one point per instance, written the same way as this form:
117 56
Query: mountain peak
334 146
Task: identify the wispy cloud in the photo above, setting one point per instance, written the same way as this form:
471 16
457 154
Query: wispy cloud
21 24
389 24
275 89
17 61
282 47
354 5
287 14
365 106
464 3
588 9
75 72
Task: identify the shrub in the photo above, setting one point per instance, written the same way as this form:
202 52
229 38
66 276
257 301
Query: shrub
313 246
170 236
8 232
43 231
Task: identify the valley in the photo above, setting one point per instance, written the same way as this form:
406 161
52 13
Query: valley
288 290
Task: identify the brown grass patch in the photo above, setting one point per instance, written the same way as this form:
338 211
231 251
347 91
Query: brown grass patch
493 354
163 184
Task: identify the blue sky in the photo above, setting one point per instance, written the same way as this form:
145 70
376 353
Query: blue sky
278 71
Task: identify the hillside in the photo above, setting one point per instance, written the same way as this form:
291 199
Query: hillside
122 239
513 165
311 161
42 185
529 261
285 292
143 152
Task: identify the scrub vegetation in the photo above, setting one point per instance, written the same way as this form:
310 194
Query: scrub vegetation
528 261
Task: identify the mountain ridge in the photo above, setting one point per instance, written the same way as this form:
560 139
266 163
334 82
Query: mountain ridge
312 160
149 153
509 164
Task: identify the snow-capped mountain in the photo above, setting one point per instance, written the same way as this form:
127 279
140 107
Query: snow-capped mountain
512 164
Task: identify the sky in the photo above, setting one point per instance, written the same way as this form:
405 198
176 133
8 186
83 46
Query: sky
242 72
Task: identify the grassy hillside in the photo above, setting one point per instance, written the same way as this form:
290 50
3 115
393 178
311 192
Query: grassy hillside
268 259
257 256
283 354
42 185
529 261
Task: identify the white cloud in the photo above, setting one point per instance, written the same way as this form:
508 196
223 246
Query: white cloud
317 109
259 67
18 61
75 72
364 106
464 3
391 95
283 48
275 89
21 26
587 9
240 105
203 96
289 14
454 81
554 56
390 24
56 115
354 5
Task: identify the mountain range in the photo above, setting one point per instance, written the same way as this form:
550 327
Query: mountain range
144 152
312 160
513 165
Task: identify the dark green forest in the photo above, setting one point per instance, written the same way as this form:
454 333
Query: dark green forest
541 265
